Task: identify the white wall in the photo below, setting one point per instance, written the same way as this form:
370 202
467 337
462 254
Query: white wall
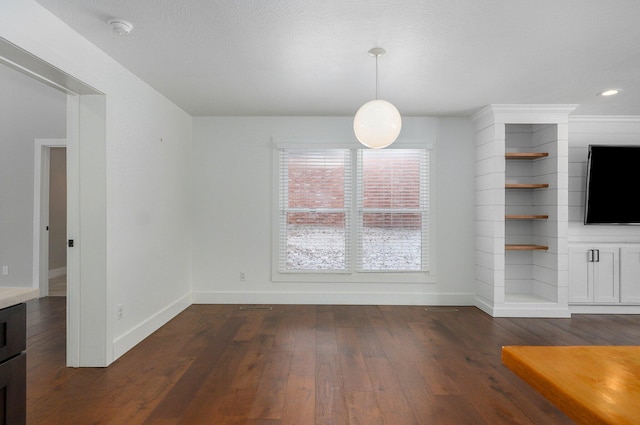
233 206
583 131
144 163
28 110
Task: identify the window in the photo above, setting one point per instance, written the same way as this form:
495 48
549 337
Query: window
315 205
392 209
352 210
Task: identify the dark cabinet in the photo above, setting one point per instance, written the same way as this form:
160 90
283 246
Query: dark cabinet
13 365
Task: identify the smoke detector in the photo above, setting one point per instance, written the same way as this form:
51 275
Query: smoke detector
120 26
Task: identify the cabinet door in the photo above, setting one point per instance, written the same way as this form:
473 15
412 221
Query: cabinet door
580 271
13 391
13 333
630 275
606 276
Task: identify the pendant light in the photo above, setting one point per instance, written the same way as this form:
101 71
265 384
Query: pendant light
377 123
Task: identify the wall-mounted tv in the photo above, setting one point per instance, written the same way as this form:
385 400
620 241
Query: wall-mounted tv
613 179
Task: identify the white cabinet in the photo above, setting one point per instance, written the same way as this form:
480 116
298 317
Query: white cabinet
630 274
604 274
594 274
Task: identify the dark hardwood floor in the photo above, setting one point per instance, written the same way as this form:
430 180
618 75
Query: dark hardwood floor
304 364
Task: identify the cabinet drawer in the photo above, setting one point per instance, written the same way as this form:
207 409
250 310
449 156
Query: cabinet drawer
13 391
13 331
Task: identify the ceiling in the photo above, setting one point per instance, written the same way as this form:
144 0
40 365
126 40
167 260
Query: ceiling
309 57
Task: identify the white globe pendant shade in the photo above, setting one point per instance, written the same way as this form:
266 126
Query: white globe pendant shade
377 124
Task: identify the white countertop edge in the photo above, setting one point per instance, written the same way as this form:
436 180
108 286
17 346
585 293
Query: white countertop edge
12 296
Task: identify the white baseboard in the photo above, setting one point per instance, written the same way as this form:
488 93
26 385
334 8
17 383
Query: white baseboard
484 305
131 338
558 312
604 309
537 310
324 298
60 271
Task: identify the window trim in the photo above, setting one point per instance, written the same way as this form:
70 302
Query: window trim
353 275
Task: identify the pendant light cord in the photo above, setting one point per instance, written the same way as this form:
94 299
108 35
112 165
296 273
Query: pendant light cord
377 52
377 76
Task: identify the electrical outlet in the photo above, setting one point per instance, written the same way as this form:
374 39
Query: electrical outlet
243 276
5 270
120 311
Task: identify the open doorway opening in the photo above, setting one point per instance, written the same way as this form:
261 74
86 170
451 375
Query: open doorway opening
85 124
50 217
57 227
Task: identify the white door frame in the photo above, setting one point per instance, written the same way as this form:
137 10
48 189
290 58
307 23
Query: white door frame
41 211
74 316
87 345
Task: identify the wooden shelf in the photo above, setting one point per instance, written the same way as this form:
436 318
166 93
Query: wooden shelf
526 217
510 247
525 155
526 186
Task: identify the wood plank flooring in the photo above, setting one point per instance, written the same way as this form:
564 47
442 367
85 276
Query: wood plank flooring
307 365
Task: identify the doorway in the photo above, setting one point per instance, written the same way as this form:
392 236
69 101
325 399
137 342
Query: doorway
86 215
57 222
50 217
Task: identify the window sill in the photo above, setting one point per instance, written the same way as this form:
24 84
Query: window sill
363 277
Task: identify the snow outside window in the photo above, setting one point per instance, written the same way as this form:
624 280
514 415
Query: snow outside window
353 210
392 209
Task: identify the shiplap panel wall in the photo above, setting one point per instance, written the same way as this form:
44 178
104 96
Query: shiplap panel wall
520 265
583 131
490 210
549 274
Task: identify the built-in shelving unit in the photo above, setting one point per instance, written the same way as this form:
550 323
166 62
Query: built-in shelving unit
521 220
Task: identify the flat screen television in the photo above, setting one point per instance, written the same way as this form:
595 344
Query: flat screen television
613 178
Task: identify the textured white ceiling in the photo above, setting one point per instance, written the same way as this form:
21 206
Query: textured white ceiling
309 57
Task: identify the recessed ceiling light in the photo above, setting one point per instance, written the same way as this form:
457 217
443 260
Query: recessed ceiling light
609 92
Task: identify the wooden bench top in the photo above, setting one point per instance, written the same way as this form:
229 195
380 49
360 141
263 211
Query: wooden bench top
590 384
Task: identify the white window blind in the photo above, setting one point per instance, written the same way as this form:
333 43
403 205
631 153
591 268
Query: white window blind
383 227
315 203
393 201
